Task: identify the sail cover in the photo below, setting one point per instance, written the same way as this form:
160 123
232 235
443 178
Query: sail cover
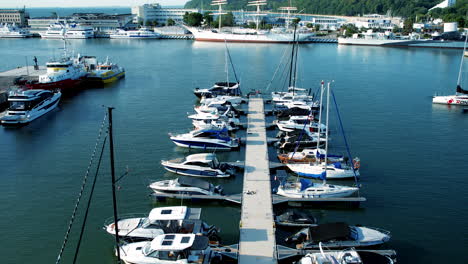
460 90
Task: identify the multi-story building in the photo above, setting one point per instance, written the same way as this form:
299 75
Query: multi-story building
154 12
10 16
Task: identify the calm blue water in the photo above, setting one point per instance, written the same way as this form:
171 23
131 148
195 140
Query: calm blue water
413 154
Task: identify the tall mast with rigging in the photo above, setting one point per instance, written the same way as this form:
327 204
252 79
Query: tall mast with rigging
220 4
257 15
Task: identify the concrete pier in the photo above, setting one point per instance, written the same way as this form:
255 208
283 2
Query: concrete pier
257 234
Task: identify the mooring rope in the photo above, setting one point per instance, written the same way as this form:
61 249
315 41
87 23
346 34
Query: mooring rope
59 257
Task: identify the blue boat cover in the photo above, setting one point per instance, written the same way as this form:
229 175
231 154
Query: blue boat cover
305 184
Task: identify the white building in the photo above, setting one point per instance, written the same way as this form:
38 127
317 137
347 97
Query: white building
445 4
154 12
383 23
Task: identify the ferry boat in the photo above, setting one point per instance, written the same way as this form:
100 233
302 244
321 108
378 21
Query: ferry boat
142 33
186 185
168 249
60 30
236 34
388 39
12 31
28 105
106 73
64 74
199 165
161 220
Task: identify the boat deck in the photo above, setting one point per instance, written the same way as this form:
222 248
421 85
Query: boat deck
257 233
27 71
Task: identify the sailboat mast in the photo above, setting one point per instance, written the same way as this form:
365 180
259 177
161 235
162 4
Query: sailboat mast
320 121
114 200
219 3
292 60
461 63
326 133
226 67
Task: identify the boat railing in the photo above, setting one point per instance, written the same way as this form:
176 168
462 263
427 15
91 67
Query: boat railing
110 220
386 232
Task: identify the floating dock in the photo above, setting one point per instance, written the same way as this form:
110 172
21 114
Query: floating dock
257 233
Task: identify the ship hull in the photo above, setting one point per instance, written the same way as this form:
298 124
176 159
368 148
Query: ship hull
211 36
402 43
64 85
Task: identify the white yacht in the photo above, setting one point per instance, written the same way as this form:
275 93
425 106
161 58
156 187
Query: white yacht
12 31
28 105
55 30
142 33
199 165
336 170
339 235
186 185
214 124
347 256
175 219
78 31
215 139
300 123
233 100
307 189
167 249
309 155
219 88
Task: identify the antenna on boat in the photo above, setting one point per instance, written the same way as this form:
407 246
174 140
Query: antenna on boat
114 200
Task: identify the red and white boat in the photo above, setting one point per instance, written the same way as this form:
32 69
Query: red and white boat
64 74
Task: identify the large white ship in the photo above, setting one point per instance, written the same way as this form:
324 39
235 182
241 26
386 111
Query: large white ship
370 38
236 34
12 31
60 30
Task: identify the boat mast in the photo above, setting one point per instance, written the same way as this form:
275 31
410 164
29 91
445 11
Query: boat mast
220 4
288 9
461 63
226 68
114 200
319 123
292 60
326 133
257 3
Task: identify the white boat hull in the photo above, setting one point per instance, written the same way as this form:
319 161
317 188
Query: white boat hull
402 43
314 171
31 115
451 100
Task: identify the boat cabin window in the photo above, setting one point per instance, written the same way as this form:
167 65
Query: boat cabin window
166 211
198 163
18 105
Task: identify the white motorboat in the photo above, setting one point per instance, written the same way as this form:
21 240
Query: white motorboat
142 33
305 123
339 235
293 94
199 165
461 95
186 185
307 189
167 249
213 124
78 31
12 31
28 105
234 100
54 31
347 256
215 139
162 220
219 88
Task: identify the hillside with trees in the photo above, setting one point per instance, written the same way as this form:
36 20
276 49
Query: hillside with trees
404 8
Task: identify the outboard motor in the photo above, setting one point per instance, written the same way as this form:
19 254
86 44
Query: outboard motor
218 189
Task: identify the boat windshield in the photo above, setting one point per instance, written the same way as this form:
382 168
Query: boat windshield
147 251
19 105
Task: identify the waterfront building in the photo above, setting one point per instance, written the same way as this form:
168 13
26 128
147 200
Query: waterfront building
154 12
16 16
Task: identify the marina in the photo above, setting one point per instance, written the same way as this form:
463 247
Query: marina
144 134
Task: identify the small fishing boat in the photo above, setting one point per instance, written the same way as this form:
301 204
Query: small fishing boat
219 88
338 235
199 165
216 139
106 73
169 248
295 218
186 185
308 156
162 220
28 105
347 256
303 188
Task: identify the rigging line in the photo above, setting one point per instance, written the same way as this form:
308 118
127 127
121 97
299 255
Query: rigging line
345 141
81 192
232 63
295 64
89 202
277 67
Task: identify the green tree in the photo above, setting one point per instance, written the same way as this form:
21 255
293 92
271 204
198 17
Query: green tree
193 19
317 27
408 26
349 30
170 22
148 23
207 18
